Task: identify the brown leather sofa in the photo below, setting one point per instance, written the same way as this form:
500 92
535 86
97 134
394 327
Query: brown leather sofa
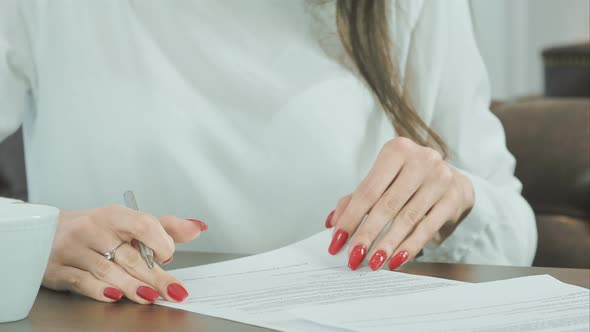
550 139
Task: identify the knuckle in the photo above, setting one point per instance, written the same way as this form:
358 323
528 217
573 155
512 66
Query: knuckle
142 223
389 147
134 260
403 142
392 203
171 245
168 248
400 144
74 282
446 174
147 219
146 227
103 269
365 195
409 218
137 230
80 227
432 156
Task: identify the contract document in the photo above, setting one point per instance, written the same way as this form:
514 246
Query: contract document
303 288
537 303
263 289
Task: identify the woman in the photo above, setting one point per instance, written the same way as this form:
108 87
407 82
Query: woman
257 116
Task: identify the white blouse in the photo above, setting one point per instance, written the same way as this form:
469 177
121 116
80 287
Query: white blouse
240 113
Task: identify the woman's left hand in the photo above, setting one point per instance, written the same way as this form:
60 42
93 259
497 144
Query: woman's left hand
409 186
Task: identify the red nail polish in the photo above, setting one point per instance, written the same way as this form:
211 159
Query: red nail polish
147 293
177 292
201 224
329 219
167 261
338 241
113 293
356 256
377 260
398 260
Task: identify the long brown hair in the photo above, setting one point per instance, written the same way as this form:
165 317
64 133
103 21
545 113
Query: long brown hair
363 26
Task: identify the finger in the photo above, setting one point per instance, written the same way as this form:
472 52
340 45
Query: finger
81 282
93 235
411 246
336 213
87 259
366 195
182 230
404 222
131 261
129 224
109 272
389 205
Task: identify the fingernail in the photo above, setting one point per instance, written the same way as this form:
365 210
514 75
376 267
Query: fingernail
177 292
329 219
113 293
338 241
167 261
201 224
398 260
356 256
147 293
377 260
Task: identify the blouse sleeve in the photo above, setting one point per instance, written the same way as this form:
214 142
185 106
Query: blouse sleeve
16 69
501 228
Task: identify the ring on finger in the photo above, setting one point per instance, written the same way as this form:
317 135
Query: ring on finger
110 255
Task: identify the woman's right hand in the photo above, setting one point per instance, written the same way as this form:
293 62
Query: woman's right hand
77 262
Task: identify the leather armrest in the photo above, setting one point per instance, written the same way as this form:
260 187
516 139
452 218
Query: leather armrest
550 139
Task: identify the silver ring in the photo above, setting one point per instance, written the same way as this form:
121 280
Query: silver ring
110 255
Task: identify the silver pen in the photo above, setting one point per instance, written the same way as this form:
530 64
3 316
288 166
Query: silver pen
146 252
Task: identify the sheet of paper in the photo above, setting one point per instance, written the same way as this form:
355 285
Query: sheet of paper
537 303
263 289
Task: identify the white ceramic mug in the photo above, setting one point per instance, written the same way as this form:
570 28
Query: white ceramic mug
26 236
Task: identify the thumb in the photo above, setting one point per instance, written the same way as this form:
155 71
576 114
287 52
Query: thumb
182 230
